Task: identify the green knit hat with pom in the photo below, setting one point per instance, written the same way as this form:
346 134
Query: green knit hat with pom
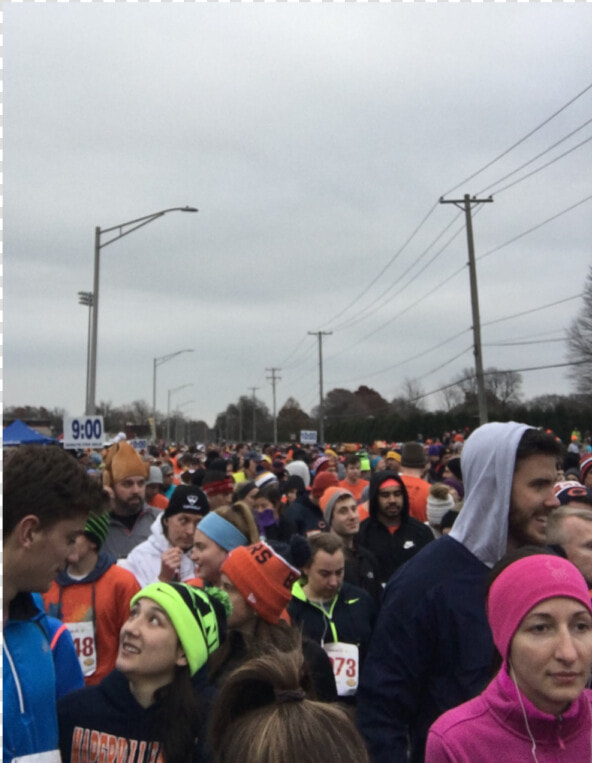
97 527
199 622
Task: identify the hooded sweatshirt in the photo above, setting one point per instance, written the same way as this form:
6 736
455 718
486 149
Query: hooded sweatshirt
101 598
106 720
432 648
391 549
145 560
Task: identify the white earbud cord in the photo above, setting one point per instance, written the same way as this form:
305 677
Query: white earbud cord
533 748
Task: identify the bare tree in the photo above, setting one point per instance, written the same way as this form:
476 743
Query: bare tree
452 397
579 342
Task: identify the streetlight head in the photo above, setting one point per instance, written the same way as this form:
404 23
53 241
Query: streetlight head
189 209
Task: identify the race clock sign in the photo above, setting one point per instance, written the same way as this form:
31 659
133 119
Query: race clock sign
83 432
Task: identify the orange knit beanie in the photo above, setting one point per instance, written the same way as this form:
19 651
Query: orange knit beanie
263 578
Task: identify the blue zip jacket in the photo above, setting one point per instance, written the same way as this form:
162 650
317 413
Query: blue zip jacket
29 684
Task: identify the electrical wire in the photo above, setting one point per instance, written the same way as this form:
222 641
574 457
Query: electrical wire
408 360
538 156
533 310
543 167
377 305
399 314
535 227
518 143
522 344
384 269
497 371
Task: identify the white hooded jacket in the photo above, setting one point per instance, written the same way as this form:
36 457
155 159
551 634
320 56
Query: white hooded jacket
144 561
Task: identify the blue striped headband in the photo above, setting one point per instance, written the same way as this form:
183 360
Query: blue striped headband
222 532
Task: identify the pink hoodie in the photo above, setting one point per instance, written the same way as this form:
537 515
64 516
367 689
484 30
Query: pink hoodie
491 729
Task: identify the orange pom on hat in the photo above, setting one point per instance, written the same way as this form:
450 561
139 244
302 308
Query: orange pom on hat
321 482
122 461
263 578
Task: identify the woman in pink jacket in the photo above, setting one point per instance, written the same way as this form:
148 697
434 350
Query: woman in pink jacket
537 708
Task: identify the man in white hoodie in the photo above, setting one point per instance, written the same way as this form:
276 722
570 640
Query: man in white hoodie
165 555
432 648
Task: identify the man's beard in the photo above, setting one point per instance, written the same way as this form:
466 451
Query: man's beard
128 508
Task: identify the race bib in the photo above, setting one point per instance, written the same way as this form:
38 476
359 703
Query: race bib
51 756
345 661
83 635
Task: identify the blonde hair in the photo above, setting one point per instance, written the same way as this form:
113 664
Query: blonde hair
262 715
241 516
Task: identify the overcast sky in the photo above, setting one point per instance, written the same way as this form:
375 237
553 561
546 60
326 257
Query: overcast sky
316 140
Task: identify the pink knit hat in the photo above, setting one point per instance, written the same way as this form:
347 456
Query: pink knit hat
524 584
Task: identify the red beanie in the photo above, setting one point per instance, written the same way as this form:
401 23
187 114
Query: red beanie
263 578
322 481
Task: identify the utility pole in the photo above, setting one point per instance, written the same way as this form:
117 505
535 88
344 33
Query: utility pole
466 203
273 378
253 390
86 298
320 335
240 419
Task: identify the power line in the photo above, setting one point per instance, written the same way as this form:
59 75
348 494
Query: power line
544 166
515 145
384 269
293 352
534 158
535 227
408 360
497 371
522 344
400 313
533 310
377 305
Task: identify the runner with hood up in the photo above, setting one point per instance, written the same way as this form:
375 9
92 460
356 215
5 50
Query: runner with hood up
432 647
389 532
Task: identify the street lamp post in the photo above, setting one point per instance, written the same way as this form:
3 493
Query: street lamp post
124 229
171 392
86 298
158 362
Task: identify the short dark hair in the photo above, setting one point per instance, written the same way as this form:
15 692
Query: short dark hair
535 442
45 481
352 460
272 493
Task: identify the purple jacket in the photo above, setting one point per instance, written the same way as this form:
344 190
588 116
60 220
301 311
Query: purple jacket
492 727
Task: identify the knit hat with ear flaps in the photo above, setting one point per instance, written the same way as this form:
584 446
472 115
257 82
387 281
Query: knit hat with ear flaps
526 583
263 578
193 615
121 462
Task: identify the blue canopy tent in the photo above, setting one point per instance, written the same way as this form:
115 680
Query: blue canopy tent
18 433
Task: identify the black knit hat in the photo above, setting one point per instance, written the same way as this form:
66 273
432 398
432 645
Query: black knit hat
187 498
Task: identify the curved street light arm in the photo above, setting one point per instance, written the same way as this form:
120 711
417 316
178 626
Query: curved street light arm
139 223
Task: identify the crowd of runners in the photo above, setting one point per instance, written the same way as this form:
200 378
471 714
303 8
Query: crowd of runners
426 600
